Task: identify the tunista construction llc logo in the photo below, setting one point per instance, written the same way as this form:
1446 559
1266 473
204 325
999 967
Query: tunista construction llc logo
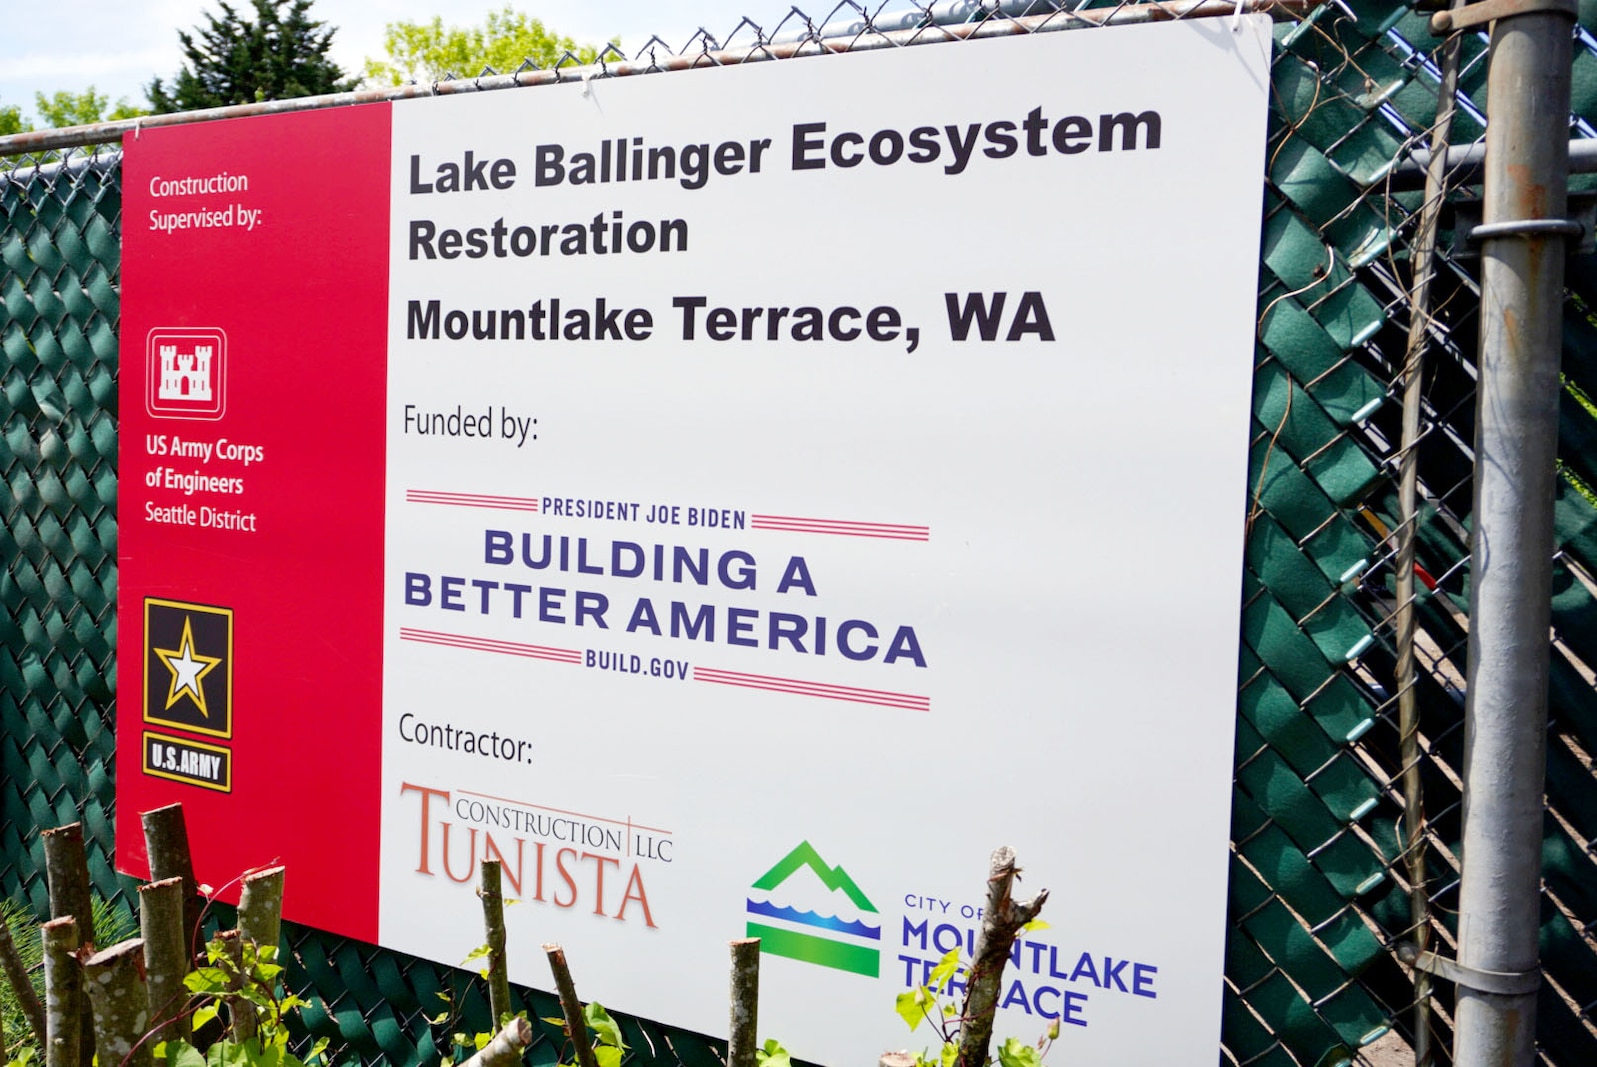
806 910
185 373
188 686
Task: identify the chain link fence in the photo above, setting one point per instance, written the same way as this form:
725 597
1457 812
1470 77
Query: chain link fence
1326 881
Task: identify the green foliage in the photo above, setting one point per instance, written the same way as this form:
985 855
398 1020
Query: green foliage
110 924
772 1054
608 1044
427 51
250 984
933 1003
11 120
279 55
1016 1053
63 108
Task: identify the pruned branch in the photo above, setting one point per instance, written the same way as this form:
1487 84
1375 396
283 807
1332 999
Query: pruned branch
506 1047
745 1019
493 918
63 993
166 958
241 1011
66 869
21 987
115 983
166 840
576 1024
1002 919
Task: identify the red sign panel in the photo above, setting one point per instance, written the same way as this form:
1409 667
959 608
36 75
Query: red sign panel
255 269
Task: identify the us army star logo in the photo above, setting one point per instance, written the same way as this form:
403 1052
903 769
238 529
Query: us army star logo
188 666
187 670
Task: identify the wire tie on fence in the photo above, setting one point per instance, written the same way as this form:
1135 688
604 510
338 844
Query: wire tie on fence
1501 983
1236 16
1360 730
138 127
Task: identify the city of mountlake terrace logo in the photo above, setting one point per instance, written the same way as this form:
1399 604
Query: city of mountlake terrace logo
808 910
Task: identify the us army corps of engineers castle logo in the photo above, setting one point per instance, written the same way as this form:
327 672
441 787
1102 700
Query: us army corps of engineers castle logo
188 687
185 372
806 910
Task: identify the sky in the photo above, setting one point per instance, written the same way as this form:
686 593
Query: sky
118 46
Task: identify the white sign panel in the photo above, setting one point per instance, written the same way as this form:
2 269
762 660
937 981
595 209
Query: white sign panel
804 477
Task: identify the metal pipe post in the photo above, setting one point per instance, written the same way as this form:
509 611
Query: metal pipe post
1527 167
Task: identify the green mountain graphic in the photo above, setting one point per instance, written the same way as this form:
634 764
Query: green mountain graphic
834 878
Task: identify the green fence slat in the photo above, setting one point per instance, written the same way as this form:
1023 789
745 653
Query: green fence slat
1290 656
1298 1025
1282 794
1274 855
1349 313
1345 786
1357 1018
1246 1037
1277 485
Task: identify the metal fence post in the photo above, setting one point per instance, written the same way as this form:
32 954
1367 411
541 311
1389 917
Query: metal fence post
1524 239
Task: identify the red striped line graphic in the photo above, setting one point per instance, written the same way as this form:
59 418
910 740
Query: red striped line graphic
488 644
472 500
824 690
893 531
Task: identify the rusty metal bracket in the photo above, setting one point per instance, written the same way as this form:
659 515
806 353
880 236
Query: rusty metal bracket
1502 983
1484 11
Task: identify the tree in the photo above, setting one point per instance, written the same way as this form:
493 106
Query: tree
11 120
280 55
427 51
64 108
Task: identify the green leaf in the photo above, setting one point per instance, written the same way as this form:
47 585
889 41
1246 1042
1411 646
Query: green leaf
599 1019
938 982
772 1054
949 1054
228 1054
477 953
207 980
204 1014
182 1054
554 1020
1037 924
607 1055
1016 1053
911 1006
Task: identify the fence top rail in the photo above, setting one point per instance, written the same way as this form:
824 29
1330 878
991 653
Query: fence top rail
961 19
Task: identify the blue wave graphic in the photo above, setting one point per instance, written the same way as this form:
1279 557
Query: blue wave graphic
809 918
